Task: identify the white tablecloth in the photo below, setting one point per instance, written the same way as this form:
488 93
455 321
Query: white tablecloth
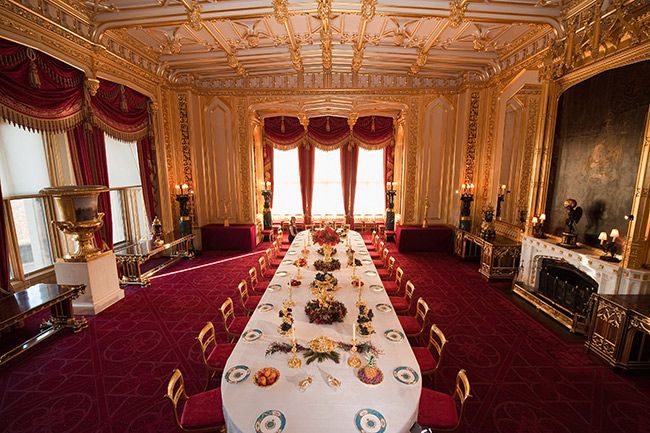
321 408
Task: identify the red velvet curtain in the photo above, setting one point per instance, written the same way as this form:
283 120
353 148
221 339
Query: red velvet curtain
328 132
283 132
38 91
389 165
373 132
306 157
349 163
120 111
4 256
267 155
88 152
148 175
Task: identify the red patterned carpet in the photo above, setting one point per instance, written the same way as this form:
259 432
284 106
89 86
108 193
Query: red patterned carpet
526 378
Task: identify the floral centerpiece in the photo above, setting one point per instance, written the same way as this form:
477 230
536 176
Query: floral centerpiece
322 348
322 252
326 238
325 311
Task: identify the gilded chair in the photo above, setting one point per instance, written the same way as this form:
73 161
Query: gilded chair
214 354
271 261
402 304
279 253
393 288
256 285
202 412
429 357
382 261
247 301
415 326
387 273
265 271
379 249
444 412
233 325
370 243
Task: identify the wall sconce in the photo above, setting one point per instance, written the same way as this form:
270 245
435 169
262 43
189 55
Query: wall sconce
609 246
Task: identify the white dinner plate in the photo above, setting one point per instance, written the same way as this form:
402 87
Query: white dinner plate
252 335
370 421
237 374
394 335
265 307
271 421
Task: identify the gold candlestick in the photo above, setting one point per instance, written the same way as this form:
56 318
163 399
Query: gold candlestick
354 361
290 302
294 361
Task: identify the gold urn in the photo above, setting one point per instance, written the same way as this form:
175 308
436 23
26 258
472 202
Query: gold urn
75 209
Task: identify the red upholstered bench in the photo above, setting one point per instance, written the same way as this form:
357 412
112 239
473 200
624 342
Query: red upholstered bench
239 237
437 238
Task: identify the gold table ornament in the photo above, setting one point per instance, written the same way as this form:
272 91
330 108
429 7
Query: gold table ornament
354 361
75 210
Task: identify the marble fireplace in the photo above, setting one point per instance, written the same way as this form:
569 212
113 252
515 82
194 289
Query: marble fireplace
560 281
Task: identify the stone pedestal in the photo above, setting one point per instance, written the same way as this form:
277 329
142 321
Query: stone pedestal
101 280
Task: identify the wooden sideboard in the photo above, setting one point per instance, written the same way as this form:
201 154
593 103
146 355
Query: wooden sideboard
619 331
498 257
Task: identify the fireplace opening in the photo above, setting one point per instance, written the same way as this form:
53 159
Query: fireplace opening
566 287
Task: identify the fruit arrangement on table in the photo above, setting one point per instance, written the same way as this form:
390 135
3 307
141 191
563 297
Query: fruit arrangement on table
301 262
294 282
325 266
356 282
266 377
370 374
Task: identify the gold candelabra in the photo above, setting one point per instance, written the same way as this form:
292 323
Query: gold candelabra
294 361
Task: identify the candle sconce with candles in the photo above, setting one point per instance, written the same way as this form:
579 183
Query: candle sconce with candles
500 199
390 210
538 226
466 198
609 246
267 218
183 196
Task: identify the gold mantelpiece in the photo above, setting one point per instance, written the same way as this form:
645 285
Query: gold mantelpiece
76 214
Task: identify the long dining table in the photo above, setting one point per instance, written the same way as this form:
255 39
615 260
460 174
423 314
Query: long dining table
390 406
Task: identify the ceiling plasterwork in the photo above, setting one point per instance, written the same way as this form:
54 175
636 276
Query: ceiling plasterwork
208 42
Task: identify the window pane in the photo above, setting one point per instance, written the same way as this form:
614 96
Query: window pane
122 160
22 150
287 198
369 196
31 231
119 234
328 192
143 222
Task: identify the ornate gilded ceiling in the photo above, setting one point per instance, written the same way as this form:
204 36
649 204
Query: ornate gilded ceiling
200 41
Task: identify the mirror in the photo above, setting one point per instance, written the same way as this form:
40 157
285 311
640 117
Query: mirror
517 156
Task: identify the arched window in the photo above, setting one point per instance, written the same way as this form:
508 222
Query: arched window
328 192
369 196
287 199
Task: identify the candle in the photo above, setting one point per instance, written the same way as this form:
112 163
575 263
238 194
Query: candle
602 237
177 189
293 334
534 220
542 217
184 188
614 234
354 331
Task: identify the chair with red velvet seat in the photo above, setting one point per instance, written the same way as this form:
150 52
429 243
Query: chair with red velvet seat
387 273
265 271
278 253
429 357
202 412
415 326
233 325
256 285
444 412
393 288
272 262
247 301
371 242
402 304
214 354
379 249
382 262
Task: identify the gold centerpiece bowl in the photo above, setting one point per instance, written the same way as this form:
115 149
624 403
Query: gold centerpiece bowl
75 209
